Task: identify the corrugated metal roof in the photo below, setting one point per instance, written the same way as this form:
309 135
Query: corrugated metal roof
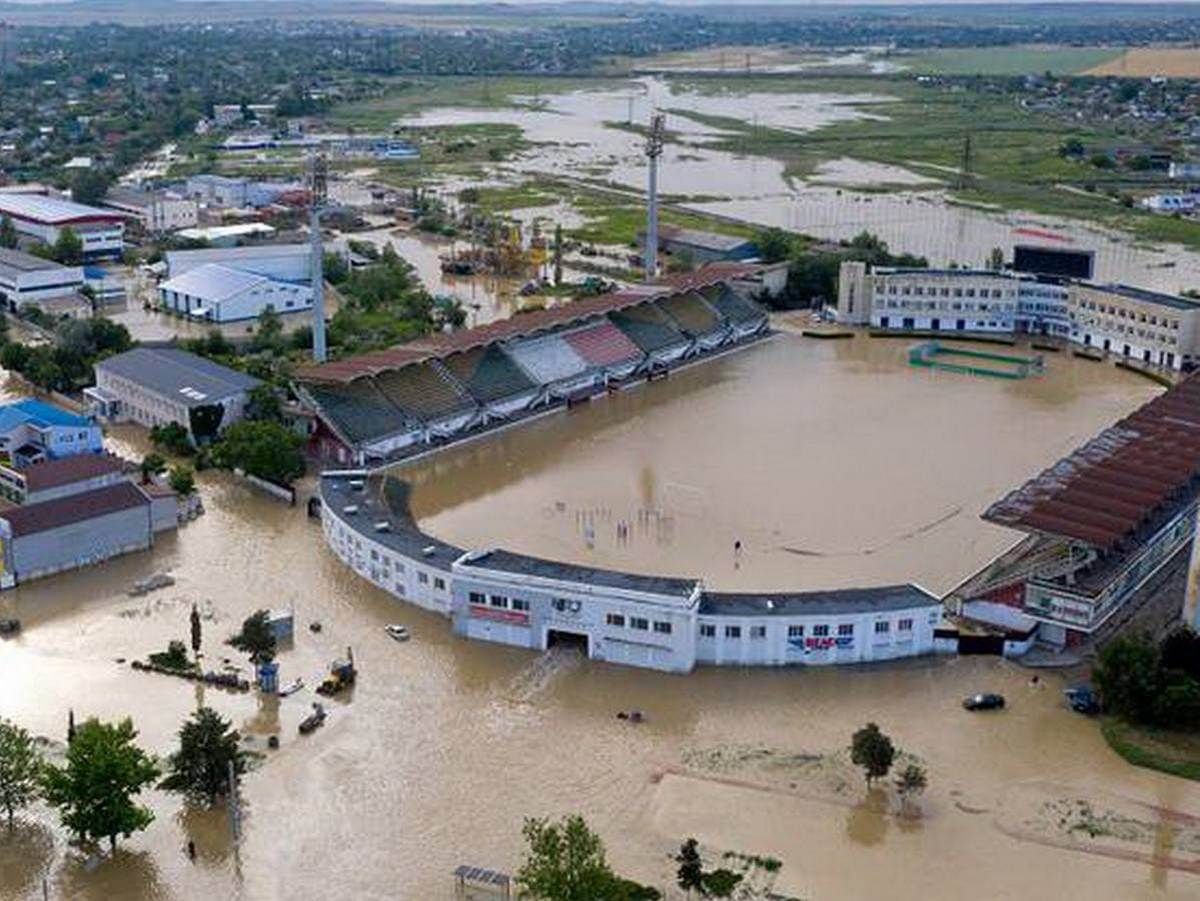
19 261
67 470
835 602
214 282
40 414
51 210
176 374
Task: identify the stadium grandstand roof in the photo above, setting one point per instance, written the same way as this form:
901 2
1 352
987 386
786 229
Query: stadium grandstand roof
52 210
1120 486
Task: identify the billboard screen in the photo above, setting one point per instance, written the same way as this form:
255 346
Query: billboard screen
1053 261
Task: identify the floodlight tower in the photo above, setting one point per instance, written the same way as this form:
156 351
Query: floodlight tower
654 150
318 187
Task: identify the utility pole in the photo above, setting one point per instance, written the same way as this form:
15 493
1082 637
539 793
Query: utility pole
318 186
235 807
964 172
654 150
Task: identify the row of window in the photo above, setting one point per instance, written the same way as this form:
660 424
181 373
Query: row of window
499 601
619 621
1125 314
844 630
920 290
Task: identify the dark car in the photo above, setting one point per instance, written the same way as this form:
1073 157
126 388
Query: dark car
1083 700
984 702
10 626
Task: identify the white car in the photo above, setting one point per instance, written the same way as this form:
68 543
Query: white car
399 633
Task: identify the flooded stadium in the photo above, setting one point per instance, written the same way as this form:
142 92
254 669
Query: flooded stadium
446 745
831 464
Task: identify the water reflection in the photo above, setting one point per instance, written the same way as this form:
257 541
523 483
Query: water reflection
868 821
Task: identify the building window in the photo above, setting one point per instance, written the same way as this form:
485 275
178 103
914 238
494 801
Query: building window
615 619
637 622
882 627
520 604
708 630
846 629
795 631
758 631
499 600
478 597
439 584
662 628
820 631
905 625
733 631
423 578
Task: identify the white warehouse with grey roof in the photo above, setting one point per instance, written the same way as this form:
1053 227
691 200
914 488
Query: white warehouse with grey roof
217 293
154 386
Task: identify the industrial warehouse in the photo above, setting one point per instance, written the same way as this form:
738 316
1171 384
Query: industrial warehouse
387 405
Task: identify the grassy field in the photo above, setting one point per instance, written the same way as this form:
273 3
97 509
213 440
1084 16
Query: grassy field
1008 60
1176 753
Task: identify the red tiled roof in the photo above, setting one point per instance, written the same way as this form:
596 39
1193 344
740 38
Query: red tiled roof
33 518
79 468
1122 482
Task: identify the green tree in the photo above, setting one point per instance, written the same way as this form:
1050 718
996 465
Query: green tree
690 875
334 268
1127 678
68 248
20 769
255 638
182 480
873 751
14 357
910 782
90 185
152 465
268 335
720 883
172 438
774 245
263 404
8 232
564 862
208 747
265 449
94 790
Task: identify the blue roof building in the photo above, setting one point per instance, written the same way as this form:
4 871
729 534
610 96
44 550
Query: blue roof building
33 430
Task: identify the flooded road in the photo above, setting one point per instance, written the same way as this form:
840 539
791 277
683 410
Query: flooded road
445 746
834 463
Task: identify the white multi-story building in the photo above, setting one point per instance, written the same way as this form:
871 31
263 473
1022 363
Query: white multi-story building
1146 326
155 211
45 218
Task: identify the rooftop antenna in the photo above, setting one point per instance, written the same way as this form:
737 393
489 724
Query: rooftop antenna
318 187
654 150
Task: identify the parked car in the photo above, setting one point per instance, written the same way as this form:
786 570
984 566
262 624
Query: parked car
10 626
1083 700
985 701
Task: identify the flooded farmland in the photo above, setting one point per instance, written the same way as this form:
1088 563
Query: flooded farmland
587 135
445 746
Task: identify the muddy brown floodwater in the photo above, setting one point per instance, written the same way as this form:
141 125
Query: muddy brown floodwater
446 745
834 463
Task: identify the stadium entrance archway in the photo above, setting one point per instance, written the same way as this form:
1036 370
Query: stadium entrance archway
557 638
